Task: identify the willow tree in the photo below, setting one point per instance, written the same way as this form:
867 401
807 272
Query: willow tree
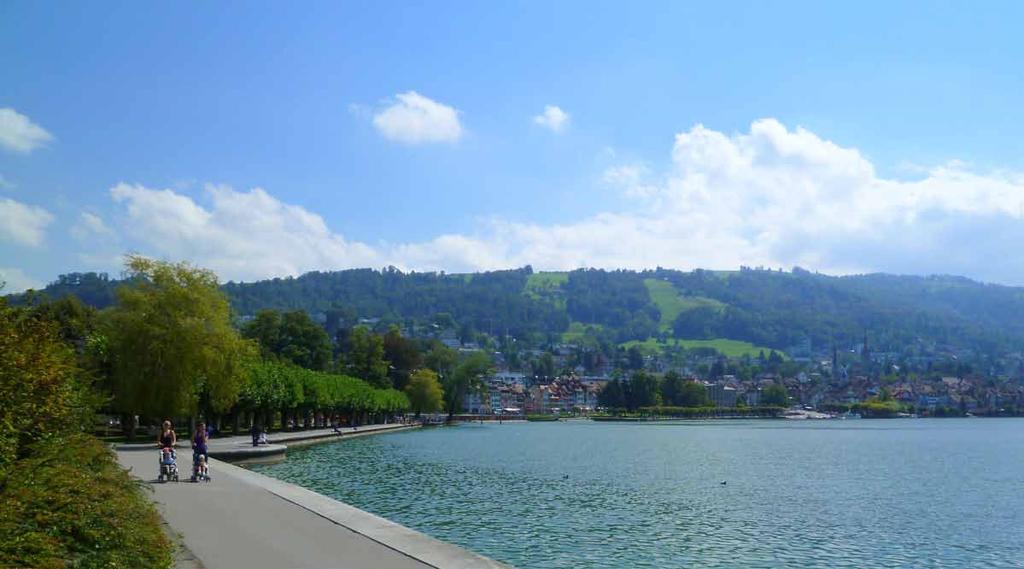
467 377
424 392
170 342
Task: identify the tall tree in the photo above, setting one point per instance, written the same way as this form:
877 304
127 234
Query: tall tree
170 341
424 392
441 359
467 377
611 396
643 391
672 388
365 358
693 394
403 356
775 395
292 336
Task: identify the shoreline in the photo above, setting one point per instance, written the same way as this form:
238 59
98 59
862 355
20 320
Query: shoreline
411 543
265 522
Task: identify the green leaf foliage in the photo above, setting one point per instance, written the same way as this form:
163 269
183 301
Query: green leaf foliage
465 378
275 385
64 501
170 340
424 392
292 336
70 505
42 393
729 311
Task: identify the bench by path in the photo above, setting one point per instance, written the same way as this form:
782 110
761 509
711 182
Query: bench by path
245 519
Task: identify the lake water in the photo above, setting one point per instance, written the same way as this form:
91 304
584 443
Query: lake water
887 493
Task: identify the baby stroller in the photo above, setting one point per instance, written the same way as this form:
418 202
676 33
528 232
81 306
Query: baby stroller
200 468
168 465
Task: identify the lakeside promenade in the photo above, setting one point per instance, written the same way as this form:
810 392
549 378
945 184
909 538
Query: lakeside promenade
245 519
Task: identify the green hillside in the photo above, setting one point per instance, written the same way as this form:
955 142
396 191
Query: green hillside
905 316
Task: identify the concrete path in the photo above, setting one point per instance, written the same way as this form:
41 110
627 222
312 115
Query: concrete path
245 519
240 449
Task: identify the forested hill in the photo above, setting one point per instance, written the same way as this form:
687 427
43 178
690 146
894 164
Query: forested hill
784 310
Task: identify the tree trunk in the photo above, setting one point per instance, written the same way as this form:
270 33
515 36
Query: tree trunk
128 424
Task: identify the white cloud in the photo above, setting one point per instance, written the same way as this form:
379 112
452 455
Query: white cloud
23 224
89 225
415 119
775 197
780 197
240 235
6 184
772 196
633 179
19 134
15 280
553 119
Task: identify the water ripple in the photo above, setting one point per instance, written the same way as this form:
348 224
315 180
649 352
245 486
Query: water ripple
878 494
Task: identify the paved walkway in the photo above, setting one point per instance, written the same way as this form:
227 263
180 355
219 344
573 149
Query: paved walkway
245 519
292 436
235 449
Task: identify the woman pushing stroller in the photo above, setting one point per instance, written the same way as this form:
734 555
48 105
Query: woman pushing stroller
200 470
168 457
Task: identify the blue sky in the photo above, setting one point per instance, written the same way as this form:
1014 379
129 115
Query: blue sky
868 137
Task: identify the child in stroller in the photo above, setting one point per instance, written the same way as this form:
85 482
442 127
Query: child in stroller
200 470
168 465
168 458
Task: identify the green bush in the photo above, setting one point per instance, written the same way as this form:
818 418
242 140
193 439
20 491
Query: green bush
64 501
70 504
42 393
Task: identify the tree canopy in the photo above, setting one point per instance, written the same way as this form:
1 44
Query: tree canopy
279 386
170 341
291 336
424 392
775 395
365 357
465 378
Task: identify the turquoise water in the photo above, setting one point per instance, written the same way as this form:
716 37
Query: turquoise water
923 493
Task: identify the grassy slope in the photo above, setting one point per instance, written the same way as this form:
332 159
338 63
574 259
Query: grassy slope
577 331
729 348
547 286
671 304
538 282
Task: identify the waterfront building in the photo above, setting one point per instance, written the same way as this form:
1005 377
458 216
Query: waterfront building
476 404
721 394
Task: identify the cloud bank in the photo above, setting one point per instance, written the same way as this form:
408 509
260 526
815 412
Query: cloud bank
15 280
241 235
23 224
771 196
19 134
415 119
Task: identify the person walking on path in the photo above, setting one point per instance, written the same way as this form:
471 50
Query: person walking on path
255 432
167 438
199 450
